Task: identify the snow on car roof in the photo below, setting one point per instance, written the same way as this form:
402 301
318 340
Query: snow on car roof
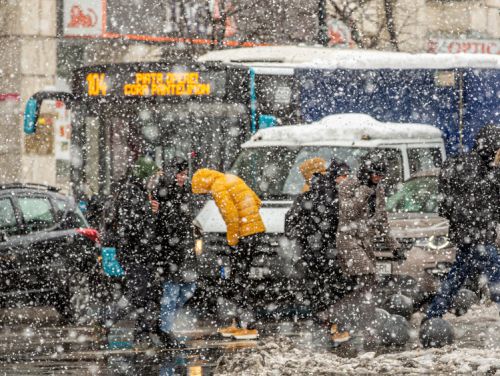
350 128
322 57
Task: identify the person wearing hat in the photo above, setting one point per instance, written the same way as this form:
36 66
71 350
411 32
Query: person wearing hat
312 223
127 225
310 168
363 225
176 260
469 187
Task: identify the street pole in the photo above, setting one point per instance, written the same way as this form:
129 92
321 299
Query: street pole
322 26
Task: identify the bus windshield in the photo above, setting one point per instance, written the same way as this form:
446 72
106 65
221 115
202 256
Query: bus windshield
273 172
113 134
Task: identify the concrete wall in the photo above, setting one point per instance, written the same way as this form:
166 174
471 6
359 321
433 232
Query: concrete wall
27 64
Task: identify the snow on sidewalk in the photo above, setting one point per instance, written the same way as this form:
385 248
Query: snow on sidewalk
475 351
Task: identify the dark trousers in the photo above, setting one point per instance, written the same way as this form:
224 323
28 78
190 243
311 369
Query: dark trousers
355 311
241 260
471 261
139 299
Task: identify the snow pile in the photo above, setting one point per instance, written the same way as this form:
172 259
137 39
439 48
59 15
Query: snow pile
283 357
345 127
321 57
476 351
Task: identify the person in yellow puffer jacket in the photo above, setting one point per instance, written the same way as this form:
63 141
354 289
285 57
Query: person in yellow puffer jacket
239 207
237 203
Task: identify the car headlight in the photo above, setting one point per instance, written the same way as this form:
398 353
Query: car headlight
433 242
198 247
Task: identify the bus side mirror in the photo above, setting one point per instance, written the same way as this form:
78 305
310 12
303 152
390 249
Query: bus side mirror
31 115
32 110
267 121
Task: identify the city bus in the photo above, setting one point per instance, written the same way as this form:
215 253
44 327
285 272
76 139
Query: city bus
458 93
150 112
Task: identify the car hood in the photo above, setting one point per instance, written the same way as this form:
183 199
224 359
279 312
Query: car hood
417 225
273 214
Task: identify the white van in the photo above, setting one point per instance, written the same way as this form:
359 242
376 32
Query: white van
269 163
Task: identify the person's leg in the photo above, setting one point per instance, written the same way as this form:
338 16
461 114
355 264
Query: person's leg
463 267
141 287
245 285
186 291
345 312
168 306
492 270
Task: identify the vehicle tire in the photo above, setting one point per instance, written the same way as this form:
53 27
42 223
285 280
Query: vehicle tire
436 332
395 331
463 301
73 302
399 304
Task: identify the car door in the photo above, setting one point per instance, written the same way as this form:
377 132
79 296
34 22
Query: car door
9 231
37 246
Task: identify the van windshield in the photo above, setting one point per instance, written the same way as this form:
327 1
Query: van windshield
273 172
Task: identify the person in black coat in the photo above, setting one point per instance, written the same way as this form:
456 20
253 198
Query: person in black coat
312 222
174 235
128 228
469 187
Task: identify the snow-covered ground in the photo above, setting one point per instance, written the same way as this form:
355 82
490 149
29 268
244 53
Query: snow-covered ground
475 351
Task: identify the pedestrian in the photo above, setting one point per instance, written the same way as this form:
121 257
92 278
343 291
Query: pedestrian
310 168
312 221
469 187
363 228
174 236
129 228
239 207
299 225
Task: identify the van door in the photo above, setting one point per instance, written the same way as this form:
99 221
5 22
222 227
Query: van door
424 157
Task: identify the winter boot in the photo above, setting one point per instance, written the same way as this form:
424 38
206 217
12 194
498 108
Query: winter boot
337 336
169 341
227 332
242 333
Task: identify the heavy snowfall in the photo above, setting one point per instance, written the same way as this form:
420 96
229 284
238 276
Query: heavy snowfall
265 187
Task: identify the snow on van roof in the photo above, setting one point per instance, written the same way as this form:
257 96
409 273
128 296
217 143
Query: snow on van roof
345 127
323 57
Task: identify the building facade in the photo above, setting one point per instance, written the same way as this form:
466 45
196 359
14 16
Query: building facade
42 41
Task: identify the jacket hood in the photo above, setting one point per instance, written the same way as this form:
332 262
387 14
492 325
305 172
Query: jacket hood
487 142
312 166
203 180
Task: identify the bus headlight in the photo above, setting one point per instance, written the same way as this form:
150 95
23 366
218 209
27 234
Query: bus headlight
198 247
433 242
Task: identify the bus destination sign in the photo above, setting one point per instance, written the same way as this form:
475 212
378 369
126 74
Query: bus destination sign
155 84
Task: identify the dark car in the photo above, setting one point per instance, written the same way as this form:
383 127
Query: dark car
48 253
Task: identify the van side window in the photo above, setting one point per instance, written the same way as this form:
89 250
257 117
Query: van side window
8 223
37 212
422 159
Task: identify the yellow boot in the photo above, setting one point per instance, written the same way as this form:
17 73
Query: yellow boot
242 333
227 332
339 337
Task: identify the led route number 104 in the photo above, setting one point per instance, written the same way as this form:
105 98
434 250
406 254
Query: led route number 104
96 84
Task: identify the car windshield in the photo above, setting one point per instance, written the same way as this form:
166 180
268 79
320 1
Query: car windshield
273 172
417 195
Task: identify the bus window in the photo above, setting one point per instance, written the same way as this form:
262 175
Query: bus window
91 155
